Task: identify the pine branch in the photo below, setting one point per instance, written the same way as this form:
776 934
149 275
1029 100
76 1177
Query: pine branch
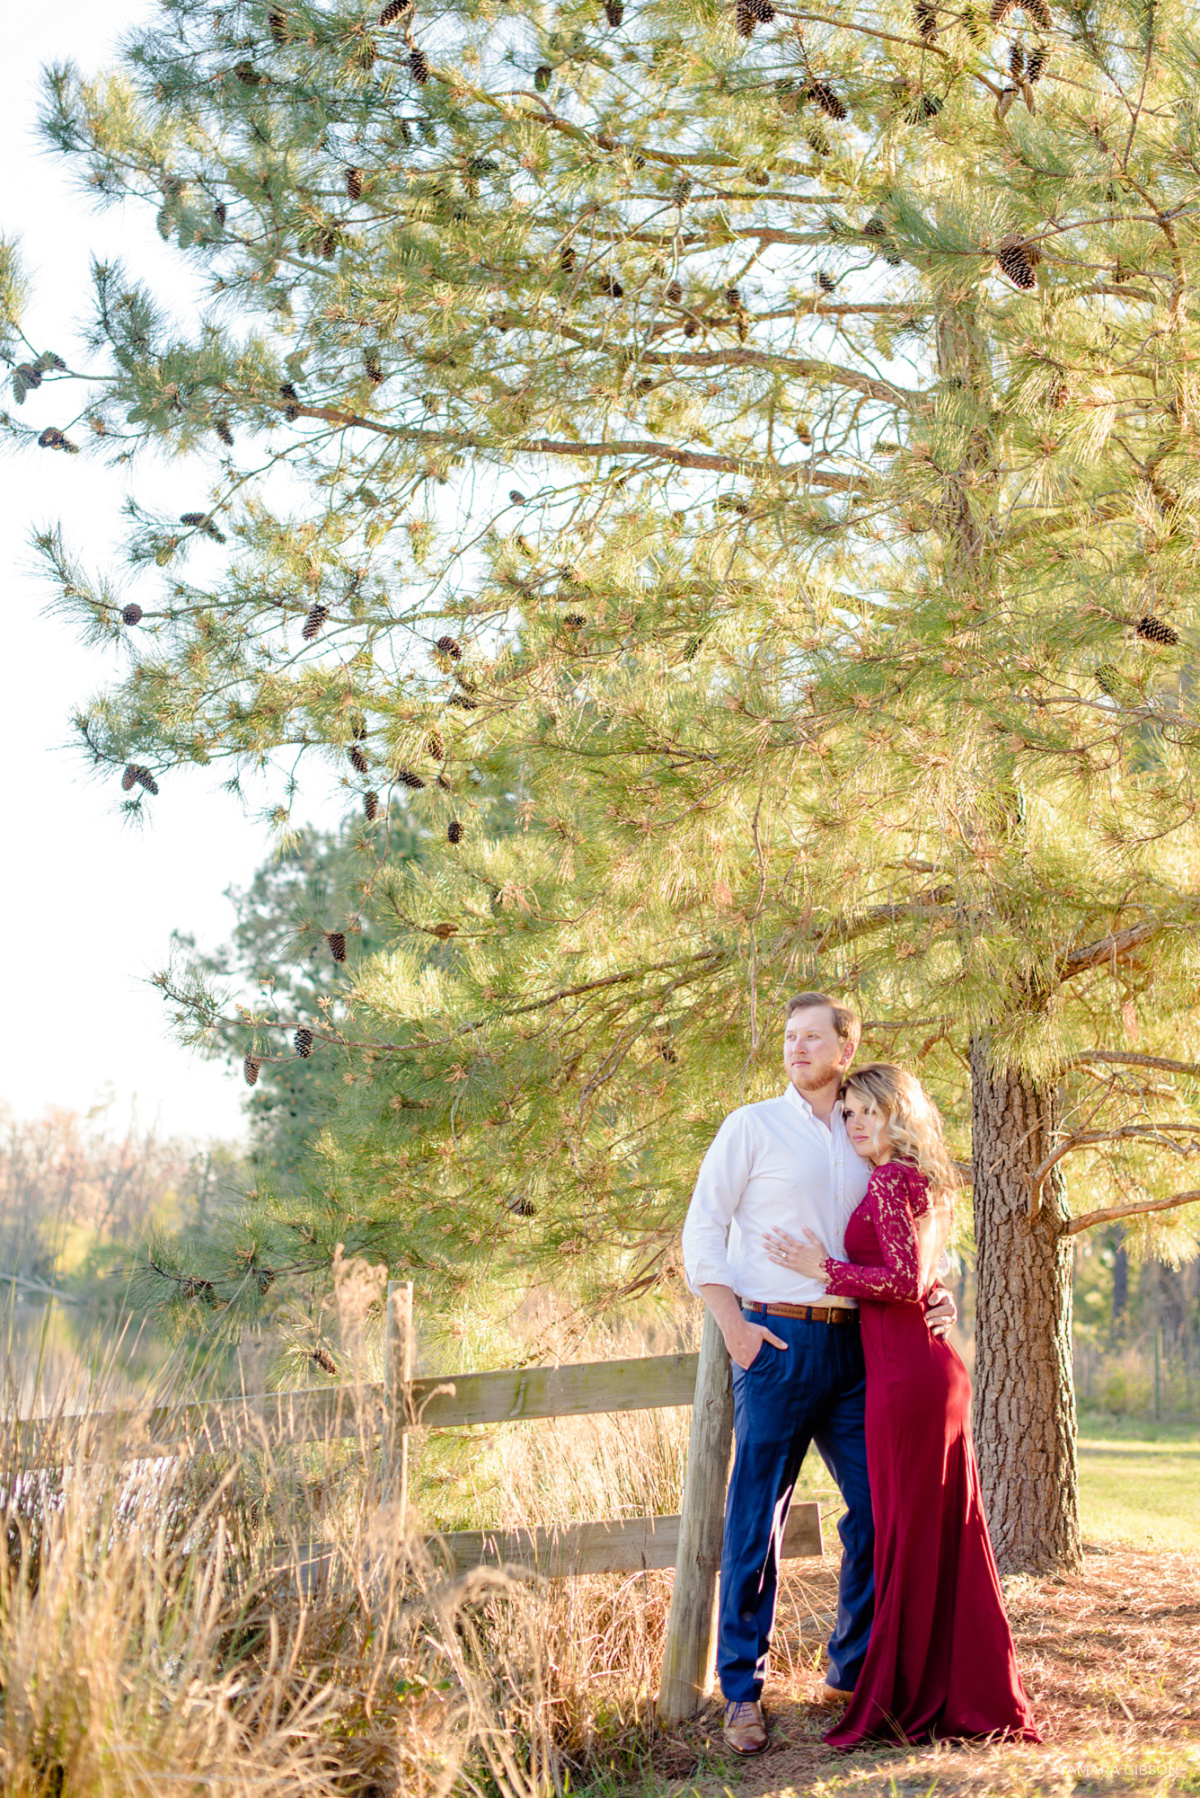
1085 1139
1125 1058
1118 946
1112 1213
645 448
822 372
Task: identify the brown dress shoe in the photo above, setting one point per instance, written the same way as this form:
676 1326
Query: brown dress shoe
744 1729
833 1695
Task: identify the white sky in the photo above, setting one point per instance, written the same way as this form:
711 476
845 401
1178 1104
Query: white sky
87 906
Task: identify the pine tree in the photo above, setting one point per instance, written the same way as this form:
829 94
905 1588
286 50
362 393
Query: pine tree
821 653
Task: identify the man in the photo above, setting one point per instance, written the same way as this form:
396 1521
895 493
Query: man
797 1359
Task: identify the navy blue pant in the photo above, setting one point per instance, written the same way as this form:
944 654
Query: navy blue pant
813 1392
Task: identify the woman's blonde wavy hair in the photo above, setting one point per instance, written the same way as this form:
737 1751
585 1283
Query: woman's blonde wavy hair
908 1126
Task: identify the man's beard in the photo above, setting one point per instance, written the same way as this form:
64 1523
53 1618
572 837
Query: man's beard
811 1080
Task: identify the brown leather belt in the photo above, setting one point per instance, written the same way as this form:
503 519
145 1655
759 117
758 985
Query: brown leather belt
813 1314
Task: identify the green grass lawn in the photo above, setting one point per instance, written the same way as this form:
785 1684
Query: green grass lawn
1139 1482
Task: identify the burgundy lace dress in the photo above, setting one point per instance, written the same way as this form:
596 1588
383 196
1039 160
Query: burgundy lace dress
940 1660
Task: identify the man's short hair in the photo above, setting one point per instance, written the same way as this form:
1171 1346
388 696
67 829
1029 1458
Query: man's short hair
845 1021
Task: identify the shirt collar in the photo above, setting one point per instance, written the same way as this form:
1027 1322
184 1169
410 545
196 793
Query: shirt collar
802 1104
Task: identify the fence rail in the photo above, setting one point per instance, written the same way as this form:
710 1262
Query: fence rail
505 1395
393 1408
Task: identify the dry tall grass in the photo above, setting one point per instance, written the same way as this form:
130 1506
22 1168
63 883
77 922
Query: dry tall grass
162 1625
164 1630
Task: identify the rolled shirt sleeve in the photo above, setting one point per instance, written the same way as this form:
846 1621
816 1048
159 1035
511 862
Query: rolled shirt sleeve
719 1187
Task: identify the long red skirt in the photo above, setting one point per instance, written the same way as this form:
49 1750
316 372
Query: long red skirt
940 1660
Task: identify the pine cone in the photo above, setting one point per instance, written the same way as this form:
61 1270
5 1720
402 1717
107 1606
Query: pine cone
201 521
220 214
395 9
288 392
354 184
925 20
541 77
136 775
371 806
827 100
321 1356
1014 259
463 703
611 287
515 497
574 621
357 759
312 624
614 12
53 438
408 779
925 106
1016 61
451 647
1037 10
454 831
825 282
223 432
418 65
337 944
131 614
250 1069
129 778
1156 630
372 367
1035 68
733 299
743 19
277 25
29 375
302 1042
674 292
691 328
247 74
435 746
1108 680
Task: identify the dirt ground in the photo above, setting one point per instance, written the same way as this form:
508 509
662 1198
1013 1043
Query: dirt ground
1110 1658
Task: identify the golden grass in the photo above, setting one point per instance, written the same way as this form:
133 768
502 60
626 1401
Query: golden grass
161 1631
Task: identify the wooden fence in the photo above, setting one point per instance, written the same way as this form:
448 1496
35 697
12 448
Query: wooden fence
689 1542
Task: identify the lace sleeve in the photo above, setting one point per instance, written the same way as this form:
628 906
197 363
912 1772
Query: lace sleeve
898 1281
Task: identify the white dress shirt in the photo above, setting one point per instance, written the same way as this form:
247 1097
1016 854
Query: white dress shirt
774 1164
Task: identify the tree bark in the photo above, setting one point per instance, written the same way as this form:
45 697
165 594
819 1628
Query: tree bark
1024 1388
1120 1290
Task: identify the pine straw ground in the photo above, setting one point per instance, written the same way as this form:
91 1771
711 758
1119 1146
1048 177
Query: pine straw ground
1111 1660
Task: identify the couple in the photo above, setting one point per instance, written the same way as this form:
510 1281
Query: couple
826 1211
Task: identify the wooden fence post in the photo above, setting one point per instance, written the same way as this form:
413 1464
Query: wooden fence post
397 1378
691 1628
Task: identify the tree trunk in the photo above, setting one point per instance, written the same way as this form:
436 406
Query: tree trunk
1024 1389
1120 1290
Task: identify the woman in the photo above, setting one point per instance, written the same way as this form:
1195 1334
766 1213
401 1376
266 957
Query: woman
940 1661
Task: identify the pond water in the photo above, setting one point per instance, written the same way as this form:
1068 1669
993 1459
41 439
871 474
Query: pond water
58 1356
